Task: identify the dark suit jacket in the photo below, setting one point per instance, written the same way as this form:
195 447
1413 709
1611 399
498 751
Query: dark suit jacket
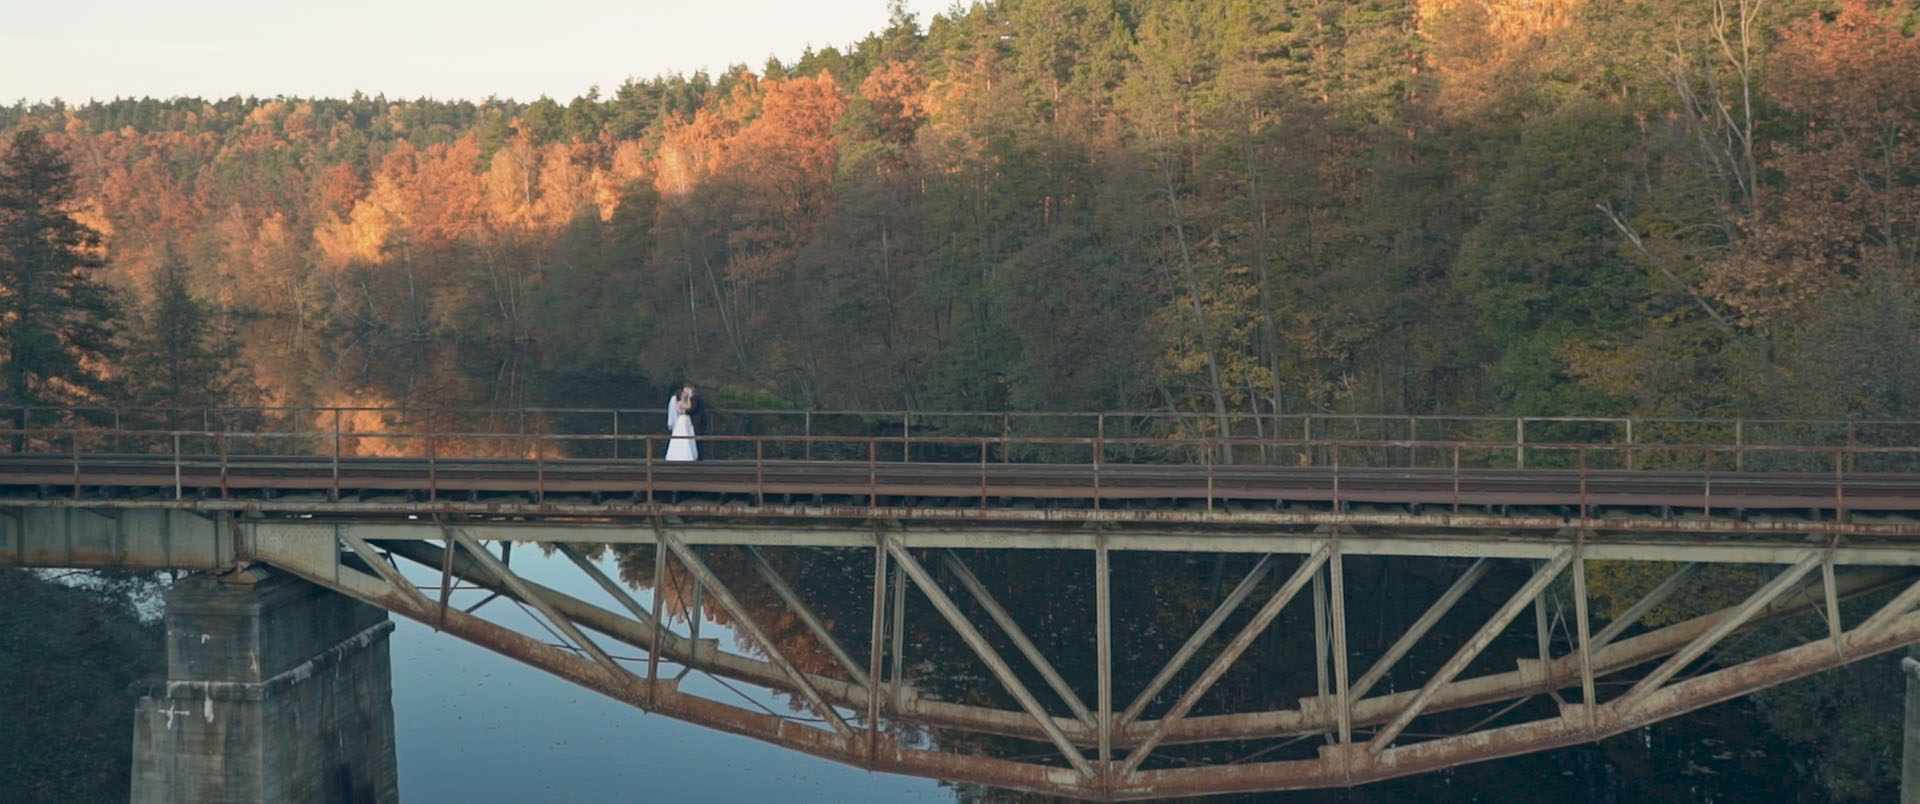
698 412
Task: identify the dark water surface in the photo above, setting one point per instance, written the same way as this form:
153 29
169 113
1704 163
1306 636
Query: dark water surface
474 726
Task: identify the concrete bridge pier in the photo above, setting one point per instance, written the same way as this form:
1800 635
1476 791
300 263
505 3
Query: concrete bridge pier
277 690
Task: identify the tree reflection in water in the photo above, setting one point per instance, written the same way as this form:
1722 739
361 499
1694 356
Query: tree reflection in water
1159 599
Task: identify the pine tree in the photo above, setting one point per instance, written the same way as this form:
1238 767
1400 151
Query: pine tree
56 318
180 356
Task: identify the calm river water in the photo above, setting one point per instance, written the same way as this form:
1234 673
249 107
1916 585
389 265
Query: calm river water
474 726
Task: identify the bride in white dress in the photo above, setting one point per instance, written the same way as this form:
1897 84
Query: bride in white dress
680 447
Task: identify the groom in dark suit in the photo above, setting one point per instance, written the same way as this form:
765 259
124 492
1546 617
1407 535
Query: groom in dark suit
696 410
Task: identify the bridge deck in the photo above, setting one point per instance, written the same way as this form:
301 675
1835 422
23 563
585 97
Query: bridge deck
961 482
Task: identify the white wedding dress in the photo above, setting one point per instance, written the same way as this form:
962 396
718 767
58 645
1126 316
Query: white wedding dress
680 447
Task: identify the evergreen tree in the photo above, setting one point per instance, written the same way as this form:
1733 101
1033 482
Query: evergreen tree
179 356
56 318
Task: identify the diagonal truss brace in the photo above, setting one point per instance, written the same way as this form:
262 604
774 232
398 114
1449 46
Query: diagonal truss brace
1193 643
1640 607
743 619
1472 649
540 603
1701 644
1308 568
1019 637
806 615
1420 628
613 590
1887 615
987 654
387 571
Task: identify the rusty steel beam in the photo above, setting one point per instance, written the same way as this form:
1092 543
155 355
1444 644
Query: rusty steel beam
600 579
899 631
743 620
1228 655
1103 662
991 657
1893 609
1320 645
1343 697
805 614
1394 535
657 629
892 756
874 646
378 564
559 509
1640 607
1479 690
1582 630
1018 636
1426 622
536 600
1701 644
1199 637
1479 642
1673 699
1558 732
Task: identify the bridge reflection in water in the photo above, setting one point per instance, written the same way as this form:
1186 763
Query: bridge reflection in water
1138 612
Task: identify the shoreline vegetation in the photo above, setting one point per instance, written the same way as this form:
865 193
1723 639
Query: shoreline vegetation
1672 208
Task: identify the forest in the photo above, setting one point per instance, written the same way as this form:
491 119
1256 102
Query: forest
1226 207
1676 207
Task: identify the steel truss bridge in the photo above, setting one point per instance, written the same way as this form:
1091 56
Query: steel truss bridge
1822 517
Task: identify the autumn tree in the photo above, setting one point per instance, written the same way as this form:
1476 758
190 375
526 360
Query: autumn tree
179 355
56 318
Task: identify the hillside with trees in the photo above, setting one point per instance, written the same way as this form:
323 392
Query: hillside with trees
1676 207
1672 207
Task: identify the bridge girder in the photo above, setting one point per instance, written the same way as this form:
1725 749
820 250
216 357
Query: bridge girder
361 558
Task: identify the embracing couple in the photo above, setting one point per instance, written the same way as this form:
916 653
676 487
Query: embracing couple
686 418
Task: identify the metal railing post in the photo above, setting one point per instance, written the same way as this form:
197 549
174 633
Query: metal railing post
1706 489
433 469
1456 478
1850 447
1306 437
1739 446
1630 449
1839 487
1098 447
336 452
1583 481
1336 477
983 472
1520 442
1207 452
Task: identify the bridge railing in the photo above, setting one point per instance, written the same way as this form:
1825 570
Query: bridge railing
349 440
1351 440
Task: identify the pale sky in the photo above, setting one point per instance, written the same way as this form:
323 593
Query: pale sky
446 49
